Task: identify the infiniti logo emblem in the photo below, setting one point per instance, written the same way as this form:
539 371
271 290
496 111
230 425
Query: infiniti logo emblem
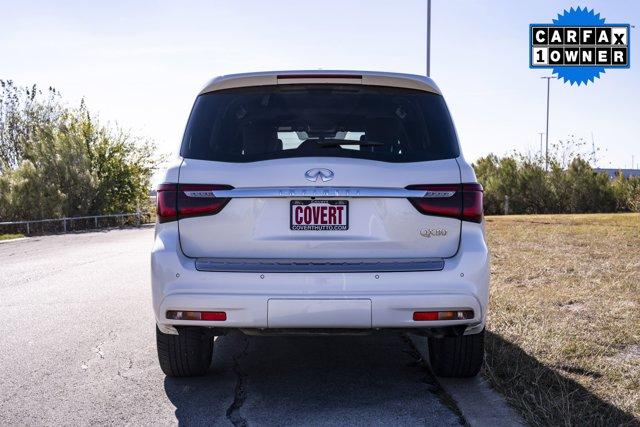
319 174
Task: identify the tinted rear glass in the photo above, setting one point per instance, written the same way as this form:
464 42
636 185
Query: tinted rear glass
274 122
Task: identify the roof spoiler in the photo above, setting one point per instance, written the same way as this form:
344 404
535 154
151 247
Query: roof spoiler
372 78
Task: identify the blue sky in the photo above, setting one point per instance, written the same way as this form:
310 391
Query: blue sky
140 63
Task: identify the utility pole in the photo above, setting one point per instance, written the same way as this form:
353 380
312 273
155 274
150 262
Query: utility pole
541 133
428 38
546 153
593 150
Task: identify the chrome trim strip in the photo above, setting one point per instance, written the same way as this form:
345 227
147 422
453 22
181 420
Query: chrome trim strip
200 194
438 194
318 265
288 192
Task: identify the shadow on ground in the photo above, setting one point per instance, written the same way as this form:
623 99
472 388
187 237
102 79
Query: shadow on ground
542 394
363 380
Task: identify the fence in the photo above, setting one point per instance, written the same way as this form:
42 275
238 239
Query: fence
42 226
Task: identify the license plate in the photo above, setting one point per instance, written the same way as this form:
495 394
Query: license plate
319 215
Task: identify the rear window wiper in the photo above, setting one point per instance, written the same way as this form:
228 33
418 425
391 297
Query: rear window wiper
330 142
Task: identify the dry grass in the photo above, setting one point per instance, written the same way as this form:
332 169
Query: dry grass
564 318
10 236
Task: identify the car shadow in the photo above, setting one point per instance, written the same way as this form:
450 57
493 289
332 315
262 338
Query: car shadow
325 380
205 400
533 385
378 379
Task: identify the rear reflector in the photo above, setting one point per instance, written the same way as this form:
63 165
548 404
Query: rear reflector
197 315
425 315
178 201
214 315
443 315
462 201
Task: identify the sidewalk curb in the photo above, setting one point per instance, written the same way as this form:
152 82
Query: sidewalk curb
479 404
17 239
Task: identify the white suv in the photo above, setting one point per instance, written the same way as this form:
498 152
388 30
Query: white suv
320 202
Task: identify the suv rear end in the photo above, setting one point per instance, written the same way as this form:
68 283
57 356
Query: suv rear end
309 202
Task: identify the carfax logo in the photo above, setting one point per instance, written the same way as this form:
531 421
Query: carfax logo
578 46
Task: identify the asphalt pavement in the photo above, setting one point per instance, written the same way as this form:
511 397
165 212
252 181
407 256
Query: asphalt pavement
77 347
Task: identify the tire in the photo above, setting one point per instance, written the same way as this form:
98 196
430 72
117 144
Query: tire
459 357
185 355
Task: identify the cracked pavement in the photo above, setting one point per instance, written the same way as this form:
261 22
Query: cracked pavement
78 348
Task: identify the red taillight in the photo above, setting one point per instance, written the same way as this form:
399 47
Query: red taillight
439 199
196 200
472 202
166 202
178 201
462 201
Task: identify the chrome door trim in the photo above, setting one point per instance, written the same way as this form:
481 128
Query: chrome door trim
318 265
288 192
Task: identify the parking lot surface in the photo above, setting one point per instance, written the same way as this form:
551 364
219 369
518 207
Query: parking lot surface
78 347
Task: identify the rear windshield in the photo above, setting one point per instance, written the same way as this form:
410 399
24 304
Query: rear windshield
275 122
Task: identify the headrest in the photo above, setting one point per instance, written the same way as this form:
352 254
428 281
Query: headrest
259 138
384 130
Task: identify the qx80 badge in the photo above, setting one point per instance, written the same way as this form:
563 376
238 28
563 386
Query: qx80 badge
578 46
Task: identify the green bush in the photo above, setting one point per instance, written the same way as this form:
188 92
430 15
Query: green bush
626 193
58 161
569 186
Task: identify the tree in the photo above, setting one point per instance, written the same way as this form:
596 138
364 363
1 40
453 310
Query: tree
60 161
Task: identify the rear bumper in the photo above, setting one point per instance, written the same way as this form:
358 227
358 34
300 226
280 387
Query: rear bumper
255 300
